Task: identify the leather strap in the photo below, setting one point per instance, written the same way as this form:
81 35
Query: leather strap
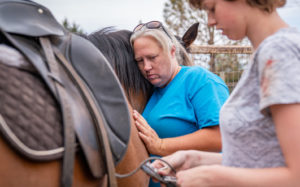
69 135
96 114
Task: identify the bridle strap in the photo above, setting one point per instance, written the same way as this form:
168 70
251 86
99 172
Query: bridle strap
96 115
125 175
69 133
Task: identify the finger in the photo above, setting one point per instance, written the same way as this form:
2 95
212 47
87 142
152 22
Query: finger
146 141
141 128
144 138
162 168
142 123
135 114
144 127
140 118
158 164
165 171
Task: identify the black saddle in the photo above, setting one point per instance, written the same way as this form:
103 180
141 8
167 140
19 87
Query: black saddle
80 80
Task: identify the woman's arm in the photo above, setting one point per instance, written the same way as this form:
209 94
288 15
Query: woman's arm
287 123
183 160
207 139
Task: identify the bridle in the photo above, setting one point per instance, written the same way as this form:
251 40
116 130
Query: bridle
144 165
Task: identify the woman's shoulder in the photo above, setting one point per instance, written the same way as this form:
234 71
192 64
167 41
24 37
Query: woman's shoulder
199 73
195 70
282 45
285 38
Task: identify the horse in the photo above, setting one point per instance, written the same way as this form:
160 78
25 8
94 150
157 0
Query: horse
33 173
16 169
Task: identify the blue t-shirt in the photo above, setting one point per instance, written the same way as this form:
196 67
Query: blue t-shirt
191 101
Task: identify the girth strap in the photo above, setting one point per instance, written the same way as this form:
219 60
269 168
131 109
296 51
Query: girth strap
96 115
69 134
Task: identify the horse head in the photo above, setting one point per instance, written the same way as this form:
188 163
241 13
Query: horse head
115 46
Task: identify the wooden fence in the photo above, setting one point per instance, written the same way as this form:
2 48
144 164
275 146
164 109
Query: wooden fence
230 78
220 49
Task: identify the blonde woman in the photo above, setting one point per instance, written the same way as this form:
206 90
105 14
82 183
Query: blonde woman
183 111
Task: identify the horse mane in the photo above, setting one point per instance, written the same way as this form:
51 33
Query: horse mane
115 46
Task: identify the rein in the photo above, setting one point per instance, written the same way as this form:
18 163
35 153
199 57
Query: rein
168 180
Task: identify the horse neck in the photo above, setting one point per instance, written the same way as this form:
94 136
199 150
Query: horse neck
137 101
136 153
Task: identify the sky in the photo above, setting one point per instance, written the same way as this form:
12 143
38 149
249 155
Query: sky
92 15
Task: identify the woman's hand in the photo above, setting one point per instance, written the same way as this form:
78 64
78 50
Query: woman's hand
193 168
200 176
153 143
179 161
184 160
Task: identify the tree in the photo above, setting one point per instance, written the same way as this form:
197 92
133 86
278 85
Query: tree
179 16
74 28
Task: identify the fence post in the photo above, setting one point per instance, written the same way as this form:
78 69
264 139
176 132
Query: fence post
223 75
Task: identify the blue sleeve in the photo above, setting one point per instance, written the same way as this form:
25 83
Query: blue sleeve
207 101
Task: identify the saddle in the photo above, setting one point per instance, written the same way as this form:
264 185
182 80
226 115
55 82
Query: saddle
79 88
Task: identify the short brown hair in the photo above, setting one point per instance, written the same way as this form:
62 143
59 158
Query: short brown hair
265 5
196 3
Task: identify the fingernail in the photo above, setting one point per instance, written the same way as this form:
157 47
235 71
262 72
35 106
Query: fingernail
163 168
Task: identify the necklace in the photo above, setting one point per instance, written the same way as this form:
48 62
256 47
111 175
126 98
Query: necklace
177 70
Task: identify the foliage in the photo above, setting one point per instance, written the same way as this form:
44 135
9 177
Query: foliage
72 27
179 16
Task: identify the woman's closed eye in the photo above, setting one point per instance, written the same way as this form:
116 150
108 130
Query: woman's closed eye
139 60
152 57
149 58
209 8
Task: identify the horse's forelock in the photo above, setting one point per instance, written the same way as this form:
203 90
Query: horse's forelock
115 46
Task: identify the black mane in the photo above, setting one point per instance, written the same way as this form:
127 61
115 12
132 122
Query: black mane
115 46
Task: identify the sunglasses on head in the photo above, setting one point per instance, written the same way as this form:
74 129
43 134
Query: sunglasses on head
151 25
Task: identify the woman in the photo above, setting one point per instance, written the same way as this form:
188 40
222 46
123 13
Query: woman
260 120
183 111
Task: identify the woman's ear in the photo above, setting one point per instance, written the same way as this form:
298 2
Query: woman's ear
173 51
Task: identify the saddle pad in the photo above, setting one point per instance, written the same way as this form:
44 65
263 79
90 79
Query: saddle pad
31 113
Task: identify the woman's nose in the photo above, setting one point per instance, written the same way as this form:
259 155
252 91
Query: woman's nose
147 65
211 21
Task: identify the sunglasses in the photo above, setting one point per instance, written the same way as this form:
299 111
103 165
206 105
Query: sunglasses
151 25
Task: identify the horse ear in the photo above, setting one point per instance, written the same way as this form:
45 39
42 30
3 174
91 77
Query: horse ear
190 35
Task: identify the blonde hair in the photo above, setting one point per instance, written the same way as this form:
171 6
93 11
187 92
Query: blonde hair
265 5
165 42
